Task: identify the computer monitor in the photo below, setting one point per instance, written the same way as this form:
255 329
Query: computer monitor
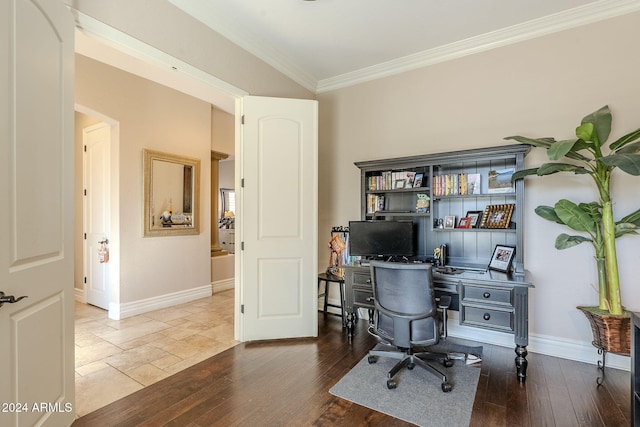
377 239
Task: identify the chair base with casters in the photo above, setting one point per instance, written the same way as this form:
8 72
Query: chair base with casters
408 319
410 360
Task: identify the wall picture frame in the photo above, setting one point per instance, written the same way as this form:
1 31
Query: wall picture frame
502 258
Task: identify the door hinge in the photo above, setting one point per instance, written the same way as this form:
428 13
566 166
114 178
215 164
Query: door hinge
242 246
85 191
85 236
85 280
241 182
242 308
85 148
242 119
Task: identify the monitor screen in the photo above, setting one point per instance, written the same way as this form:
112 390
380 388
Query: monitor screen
381 238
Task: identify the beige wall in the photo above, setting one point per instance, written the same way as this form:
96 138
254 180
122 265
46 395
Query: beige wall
155 117
541 87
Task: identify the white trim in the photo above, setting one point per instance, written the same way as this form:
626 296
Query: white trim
80 295
129 309
223 285
572 18
106 44
200 10
542 344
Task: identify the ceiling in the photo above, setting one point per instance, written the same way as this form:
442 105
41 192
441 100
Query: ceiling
327 44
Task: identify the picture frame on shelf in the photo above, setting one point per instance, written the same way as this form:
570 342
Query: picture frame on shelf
465 222
417 182
399 183
502 258
449 221
497 216
499 181
475 218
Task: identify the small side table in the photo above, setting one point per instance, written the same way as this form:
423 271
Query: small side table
327 279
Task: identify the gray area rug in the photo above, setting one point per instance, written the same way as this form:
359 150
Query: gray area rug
418 399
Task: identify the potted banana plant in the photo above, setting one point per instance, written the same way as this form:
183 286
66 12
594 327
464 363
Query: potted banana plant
587 155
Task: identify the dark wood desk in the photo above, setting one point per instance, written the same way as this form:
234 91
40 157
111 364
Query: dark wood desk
488 300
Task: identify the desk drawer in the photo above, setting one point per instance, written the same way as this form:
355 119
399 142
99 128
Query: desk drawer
486 295
361 278
482 316
363 298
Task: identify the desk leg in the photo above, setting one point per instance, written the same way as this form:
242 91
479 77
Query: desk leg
350 323
521 362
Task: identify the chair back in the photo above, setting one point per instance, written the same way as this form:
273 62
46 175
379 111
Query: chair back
405 307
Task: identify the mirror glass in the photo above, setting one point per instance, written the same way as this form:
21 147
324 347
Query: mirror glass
228 198
171 194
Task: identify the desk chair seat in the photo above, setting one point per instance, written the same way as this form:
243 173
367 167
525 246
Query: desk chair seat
407 318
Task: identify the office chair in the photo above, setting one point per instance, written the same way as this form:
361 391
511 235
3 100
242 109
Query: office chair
406 317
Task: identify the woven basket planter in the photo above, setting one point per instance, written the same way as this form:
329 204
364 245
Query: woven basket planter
611 333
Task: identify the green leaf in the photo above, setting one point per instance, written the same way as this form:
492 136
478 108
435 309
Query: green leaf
564 241
601 121
575 217
560 149
633 218
630 148
594 210
525 172
630 163
539 142
586 132
624 140
549 168
625 228
548 213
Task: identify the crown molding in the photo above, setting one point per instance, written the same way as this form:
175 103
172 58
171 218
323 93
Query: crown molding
201 11
106 44
584 15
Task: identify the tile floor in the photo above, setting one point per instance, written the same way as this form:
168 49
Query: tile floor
115 358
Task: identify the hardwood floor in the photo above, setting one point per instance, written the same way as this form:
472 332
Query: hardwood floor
286 383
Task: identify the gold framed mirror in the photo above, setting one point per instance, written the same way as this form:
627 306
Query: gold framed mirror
171 194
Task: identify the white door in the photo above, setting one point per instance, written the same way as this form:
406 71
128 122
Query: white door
96 167
279 214
36 190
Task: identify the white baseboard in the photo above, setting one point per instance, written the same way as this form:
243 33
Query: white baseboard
80 295
543 344
121 311
223 285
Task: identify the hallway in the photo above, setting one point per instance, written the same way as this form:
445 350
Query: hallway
115 358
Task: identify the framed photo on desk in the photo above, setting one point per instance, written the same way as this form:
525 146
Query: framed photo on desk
502 258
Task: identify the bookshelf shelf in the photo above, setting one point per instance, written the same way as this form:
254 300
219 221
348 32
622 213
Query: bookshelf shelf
450 183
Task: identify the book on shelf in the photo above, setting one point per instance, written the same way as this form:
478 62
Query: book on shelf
389 180
473 183
375 203
456 184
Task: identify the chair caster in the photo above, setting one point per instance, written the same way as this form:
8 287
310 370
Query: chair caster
447 363
446 387
410 366
372 359
391 384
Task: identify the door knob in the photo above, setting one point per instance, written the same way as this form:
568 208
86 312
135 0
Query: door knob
10 299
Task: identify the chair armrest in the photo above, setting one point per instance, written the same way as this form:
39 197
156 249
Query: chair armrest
444 302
